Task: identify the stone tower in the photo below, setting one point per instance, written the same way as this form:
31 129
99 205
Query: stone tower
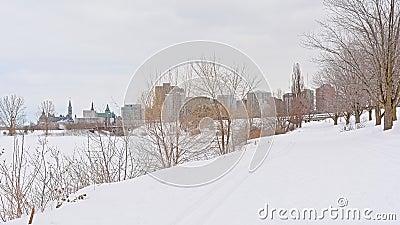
70 109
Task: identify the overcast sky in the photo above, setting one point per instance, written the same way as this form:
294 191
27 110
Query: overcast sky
88 51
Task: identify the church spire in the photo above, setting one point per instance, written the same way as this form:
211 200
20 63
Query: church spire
92 107
70 109
107 109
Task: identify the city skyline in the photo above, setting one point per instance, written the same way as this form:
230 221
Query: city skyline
110 40
66 110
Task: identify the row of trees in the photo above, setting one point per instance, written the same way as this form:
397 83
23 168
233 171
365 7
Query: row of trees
12 113
207 128
168 140
359 46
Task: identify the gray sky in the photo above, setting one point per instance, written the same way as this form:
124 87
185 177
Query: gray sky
88 51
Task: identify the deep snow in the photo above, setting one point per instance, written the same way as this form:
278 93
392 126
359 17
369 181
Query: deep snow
309 167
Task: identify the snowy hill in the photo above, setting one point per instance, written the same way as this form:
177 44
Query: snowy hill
312 167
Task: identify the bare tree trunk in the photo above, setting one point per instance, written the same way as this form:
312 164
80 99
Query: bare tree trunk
375 27
335 119
12 130
388 120
370 113
394 112
31 216
347 116
106 171
357 115
378 116
47 126
126 143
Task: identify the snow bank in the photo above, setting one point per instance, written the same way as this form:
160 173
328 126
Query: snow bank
310 167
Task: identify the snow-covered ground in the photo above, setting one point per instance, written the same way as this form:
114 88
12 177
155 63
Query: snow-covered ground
311 167
65 142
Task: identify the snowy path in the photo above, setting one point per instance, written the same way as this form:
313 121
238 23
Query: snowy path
310 167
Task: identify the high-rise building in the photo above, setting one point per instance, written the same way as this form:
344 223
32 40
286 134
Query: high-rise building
307 100
161 91
256 101
325 96
176 98
172 104
132 115
288 101
228 101
280 107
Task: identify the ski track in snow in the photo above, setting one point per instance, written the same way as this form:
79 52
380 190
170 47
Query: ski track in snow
309 167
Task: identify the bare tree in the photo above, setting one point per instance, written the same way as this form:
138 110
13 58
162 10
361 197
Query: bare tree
161 142
47 109
202 127
216 80
328 76
298 107
12 112
36 179
351 97
371 27
16 183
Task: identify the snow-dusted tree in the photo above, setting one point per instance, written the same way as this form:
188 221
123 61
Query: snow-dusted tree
12 112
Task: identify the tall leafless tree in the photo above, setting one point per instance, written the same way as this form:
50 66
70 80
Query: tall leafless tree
298 107
47 110
12 112
371 27
165 141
